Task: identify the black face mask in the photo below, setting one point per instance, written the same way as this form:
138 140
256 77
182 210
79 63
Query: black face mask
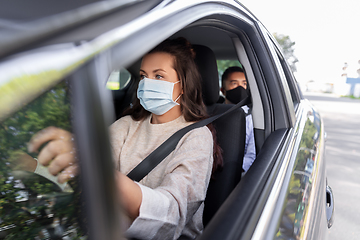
236 95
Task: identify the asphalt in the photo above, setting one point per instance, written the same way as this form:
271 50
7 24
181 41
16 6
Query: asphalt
341 118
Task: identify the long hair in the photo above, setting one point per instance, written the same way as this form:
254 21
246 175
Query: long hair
192 105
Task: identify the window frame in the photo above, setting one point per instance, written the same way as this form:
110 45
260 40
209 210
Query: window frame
280 80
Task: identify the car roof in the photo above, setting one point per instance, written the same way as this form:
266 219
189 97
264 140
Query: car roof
101 24
44 20
13 10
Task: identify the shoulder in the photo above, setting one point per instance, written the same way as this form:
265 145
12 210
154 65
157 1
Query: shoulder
195 147
199 135
247 113
123 122
122 126
204 131
245 108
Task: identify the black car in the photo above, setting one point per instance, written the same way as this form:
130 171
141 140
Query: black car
75 65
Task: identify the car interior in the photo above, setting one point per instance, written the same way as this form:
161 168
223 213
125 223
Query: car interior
224 46
210 44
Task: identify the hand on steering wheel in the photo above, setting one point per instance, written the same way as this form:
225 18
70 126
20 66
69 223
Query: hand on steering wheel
58 154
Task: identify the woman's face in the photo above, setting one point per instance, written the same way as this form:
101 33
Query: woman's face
159 66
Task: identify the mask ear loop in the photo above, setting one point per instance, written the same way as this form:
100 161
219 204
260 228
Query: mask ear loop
179 95
177 99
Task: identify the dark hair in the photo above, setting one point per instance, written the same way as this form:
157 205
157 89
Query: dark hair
192 105
229 71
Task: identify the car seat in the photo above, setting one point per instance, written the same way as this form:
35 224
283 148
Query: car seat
230 132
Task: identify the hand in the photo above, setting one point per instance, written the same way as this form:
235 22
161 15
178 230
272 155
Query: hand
58 154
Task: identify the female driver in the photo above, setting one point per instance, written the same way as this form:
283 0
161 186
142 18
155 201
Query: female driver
168 203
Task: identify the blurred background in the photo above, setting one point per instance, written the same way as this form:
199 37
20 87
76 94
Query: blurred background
320 40
325 37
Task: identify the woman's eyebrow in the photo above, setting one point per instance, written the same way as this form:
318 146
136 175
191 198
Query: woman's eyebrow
157 70
154 71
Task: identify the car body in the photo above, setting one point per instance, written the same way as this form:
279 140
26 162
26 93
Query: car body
50 49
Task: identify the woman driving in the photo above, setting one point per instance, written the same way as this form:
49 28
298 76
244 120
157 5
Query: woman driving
168 203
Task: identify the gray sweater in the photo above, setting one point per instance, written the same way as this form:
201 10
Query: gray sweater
173 193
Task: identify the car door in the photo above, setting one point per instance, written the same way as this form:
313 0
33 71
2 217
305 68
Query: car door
258 207
285 188
301 182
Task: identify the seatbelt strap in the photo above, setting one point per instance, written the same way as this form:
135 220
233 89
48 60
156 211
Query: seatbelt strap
161 152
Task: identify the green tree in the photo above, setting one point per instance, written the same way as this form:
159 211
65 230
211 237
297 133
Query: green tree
31 206
287 47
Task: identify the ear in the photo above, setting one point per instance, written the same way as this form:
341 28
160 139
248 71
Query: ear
181 86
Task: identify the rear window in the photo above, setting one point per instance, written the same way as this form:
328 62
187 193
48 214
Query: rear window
118 79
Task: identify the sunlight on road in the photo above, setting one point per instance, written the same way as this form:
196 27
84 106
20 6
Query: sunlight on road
331 103
341 121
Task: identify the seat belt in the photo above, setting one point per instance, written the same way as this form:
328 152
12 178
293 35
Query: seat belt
161 152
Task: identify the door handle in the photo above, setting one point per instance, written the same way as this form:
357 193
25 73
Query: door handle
329 206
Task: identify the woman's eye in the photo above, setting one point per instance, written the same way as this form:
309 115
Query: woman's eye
158 76
142 76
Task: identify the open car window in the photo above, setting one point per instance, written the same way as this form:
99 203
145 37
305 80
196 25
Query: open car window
33 204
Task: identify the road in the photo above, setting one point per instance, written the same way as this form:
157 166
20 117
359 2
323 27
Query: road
342 124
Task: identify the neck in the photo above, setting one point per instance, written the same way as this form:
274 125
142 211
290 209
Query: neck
170 115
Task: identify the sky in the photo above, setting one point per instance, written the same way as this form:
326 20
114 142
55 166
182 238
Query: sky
326 34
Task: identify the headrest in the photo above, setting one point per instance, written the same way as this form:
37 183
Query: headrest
206 62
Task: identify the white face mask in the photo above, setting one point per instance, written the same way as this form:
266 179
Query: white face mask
156 95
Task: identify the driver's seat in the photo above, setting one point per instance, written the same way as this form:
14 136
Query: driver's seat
231 132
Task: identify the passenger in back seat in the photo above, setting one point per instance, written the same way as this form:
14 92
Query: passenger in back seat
234 87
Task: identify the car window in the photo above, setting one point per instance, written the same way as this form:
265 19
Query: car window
224 64
118 79
292 85
35 206
285 84
290 80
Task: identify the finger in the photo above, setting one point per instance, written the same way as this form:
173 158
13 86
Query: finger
68 173
45 135
61 162
52 149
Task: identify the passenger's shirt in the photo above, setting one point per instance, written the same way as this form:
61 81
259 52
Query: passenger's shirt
173 193
250 151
